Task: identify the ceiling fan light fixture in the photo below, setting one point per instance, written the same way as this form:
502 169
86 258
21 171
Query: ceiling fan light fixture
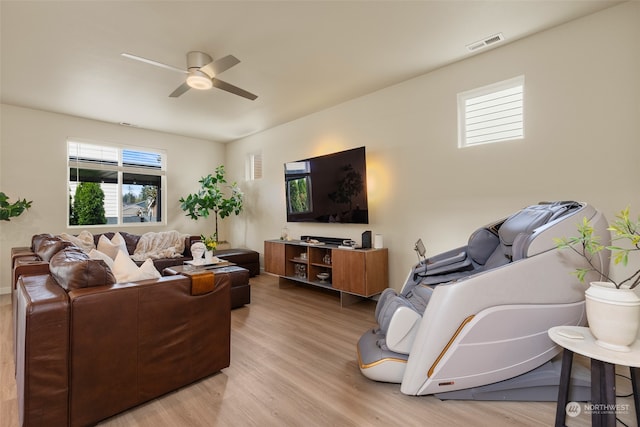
199 80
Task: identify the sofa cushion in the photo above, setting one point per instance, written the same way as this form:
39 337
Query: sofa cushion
125 270
84 240
111 247
47 246
73 269
36 240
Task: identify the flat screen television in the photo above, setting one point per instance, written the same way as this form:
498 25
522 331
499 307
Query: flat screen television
330 188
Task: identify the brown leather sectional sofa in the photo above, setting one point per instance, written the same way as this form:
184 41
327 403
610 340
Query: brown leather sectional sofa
88 348
34 259
245 258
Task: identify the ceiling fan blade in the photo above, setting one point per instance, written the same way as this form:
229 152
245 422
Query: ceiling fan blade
180 90
152 62
233 89
214 68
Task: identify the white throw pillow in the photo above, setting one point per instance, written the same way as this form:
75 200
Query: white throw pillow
125 270
96 254
111 247
84 240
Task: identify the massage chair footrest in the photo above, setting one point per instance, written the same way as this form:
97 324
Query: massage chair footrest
378 363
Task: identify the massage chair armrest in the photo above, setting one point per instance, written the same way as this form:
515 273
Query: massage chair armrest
455 258
452 260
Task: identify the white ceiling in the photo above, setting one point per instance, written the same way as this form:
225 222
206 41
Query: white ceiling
297 56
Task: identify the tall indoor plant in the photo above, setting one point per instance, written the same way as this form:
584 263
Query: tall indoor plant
613 308
215 195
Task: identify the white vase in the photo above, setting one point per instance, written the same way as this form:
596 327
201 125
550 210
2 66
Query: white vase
613 315
208 257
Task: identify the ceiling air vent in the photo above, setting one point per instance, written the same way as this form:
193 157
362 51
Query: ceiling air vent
486 42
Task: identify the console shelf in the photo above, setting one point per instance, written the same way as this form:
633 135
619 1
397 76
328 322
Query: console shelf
355 273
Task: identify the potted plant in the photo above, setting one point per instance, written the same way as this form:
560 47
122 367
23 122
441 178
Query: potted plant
210 245
11 210
214 195
613 308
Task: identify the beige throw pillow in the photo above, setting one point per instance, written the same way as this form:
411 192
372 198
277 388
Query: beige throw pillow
111 247
96 254
84 240
126 270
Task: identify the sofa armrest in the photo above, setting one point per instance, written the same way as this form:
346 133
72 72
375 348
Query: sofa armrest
41 351
20 252
28 265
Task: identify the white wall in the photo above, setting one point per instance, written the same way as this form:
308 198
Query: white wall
33 166
582 142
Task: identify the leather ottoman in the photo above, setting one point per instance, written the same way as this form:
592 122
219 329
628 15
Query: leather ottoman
246 258
240 288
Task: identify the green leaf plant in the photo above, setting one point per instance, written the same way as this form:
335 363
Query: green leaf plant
215 195
623 229
9 210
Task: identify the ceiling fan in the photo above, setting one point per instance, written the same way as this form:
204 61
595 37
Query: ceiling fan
201 73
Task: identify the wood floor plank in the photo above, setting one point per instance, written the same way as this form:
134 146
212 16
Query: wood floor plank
293 363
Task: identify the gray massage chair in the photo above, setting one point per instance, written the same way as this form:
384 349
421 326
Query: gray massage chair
477 316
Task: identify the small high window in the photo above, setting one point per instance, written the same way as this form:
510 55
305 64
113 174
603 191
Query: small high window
254 166
491 113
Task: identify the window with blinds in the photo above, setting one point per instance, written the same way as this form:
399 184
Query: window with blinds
254 166
491 113
114 185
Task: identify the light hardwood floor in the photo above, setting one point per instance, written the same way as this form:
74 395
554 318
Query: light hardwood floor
293 363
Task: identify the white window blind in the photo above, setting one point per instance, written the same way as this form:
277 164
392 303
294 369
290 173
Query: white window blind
254 166
94 155
492 113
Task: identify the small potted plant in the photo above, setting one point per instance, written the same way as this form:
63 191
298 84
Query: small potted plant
613 308
210 244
